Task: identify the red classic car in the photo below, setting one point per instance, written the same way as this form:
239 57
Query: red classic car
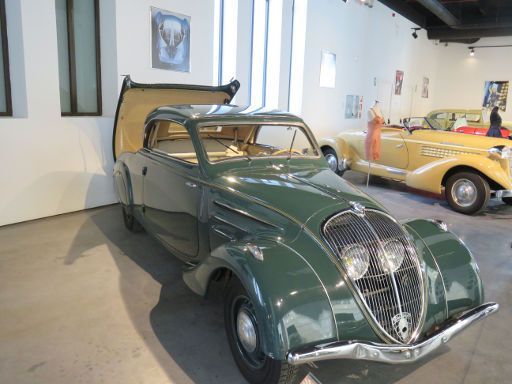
480 131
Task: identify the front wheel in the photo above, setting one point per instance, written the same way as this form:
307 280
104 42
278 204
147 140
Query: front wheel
244 339
467 192
333 161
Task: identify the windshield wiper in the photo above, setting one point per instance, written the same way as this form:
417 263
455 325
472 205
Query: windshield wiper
291 145
228 147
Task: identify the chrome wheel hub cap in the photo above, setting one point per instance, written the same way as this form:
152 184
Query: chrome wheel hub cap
332 161
464 192
246 331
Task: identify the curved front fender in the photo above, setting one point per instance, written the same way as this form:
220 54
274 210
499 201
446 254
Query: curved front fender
463 288
292 307
430 176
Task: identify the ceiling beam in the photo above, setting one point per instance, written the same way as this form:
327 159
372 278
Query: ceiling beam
447 33
401 7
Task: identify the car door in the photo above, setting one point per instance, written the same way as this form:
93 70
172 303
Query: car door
393 152
171 192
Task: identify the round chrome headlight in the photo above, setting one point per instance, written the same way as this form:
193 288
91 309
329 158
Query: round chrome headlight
356 260
394 255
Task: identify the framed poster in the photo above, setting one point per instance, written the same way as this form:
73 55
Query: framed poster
170 40
424 89
353 107
399 80
495 95
328 69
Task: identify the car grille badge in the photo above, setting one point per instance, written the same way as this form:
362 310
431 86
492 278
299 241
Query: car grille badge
402 325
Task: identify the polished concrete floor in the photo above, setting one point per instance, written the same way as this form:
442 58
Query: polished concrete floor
82 300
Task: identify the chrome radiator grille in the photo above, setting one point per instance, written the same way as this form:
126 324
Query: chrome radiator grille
395 299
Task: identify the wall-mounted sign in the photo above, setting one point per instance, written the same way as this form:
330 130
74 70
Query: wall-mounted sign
424 89
353 107
399 80
170 40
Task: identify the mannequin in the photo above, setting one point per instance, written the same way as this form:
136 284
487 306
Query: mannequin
375 121
372 143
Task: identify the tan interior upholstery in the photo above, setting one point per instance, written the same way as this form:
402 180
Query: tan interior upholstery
139 102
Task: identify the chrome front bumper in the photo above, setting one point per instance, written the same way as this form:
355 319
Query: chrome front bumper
503 193
392 353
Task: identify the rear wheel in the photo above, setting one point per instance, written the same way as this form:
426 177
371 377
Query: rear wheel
333 161
245 341
467 192
130 222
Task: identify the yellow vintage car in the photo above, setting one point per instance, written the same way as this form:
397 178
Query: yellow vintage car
469 169
446 118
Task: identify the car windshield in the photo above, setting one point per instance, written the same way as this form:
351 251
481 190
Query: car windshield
414 123
222 142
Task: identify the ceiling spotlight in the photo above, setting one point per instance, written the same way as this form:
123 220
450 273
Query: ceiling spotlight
415 32
471 51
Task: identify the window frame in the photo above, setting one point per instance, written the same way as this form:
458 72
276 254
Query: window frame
72 62
150 129
5 52
302 126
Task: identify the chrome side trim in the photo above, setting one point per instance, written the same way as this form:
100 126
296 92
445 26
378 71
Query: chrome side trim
224 221
393 353
504 193
244 213
396 171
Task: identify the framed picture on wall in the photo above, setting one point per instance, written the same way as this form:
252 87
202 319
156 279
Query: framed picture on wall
353 107
399 80
424 89
328 69
495 95
170 40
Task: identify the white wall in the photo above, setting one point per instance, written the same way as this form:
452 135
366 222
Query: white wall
52 164
461 78
368 43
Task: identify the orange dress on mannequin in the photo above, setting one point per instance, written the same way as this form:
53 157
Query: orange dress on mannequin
372 143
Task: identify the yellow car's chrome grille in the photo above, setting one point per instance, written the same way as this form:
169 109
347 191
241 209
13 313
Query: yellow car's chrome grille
441 152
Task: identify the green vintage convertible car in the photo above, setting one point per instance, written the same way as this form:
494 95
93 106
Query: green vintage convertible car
313 268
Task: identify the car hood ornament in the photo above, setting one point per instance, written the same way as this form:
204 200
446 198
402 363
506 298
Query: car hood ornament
358 208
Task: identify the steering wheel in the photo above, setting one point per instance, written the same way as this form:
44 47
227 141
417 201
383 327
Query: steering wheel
281 151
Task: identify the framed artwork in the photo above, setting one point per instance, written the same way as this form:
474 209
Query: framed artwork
353 107
424 89
495 95
399 80
328 69
170 40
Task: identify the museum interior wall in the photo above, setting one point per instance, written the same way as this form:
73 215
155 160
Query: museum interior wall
370 45
54 164
461 78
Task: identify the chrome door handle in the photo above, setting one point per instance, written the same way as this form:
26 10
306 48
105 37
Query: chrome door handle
191 184
399 146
